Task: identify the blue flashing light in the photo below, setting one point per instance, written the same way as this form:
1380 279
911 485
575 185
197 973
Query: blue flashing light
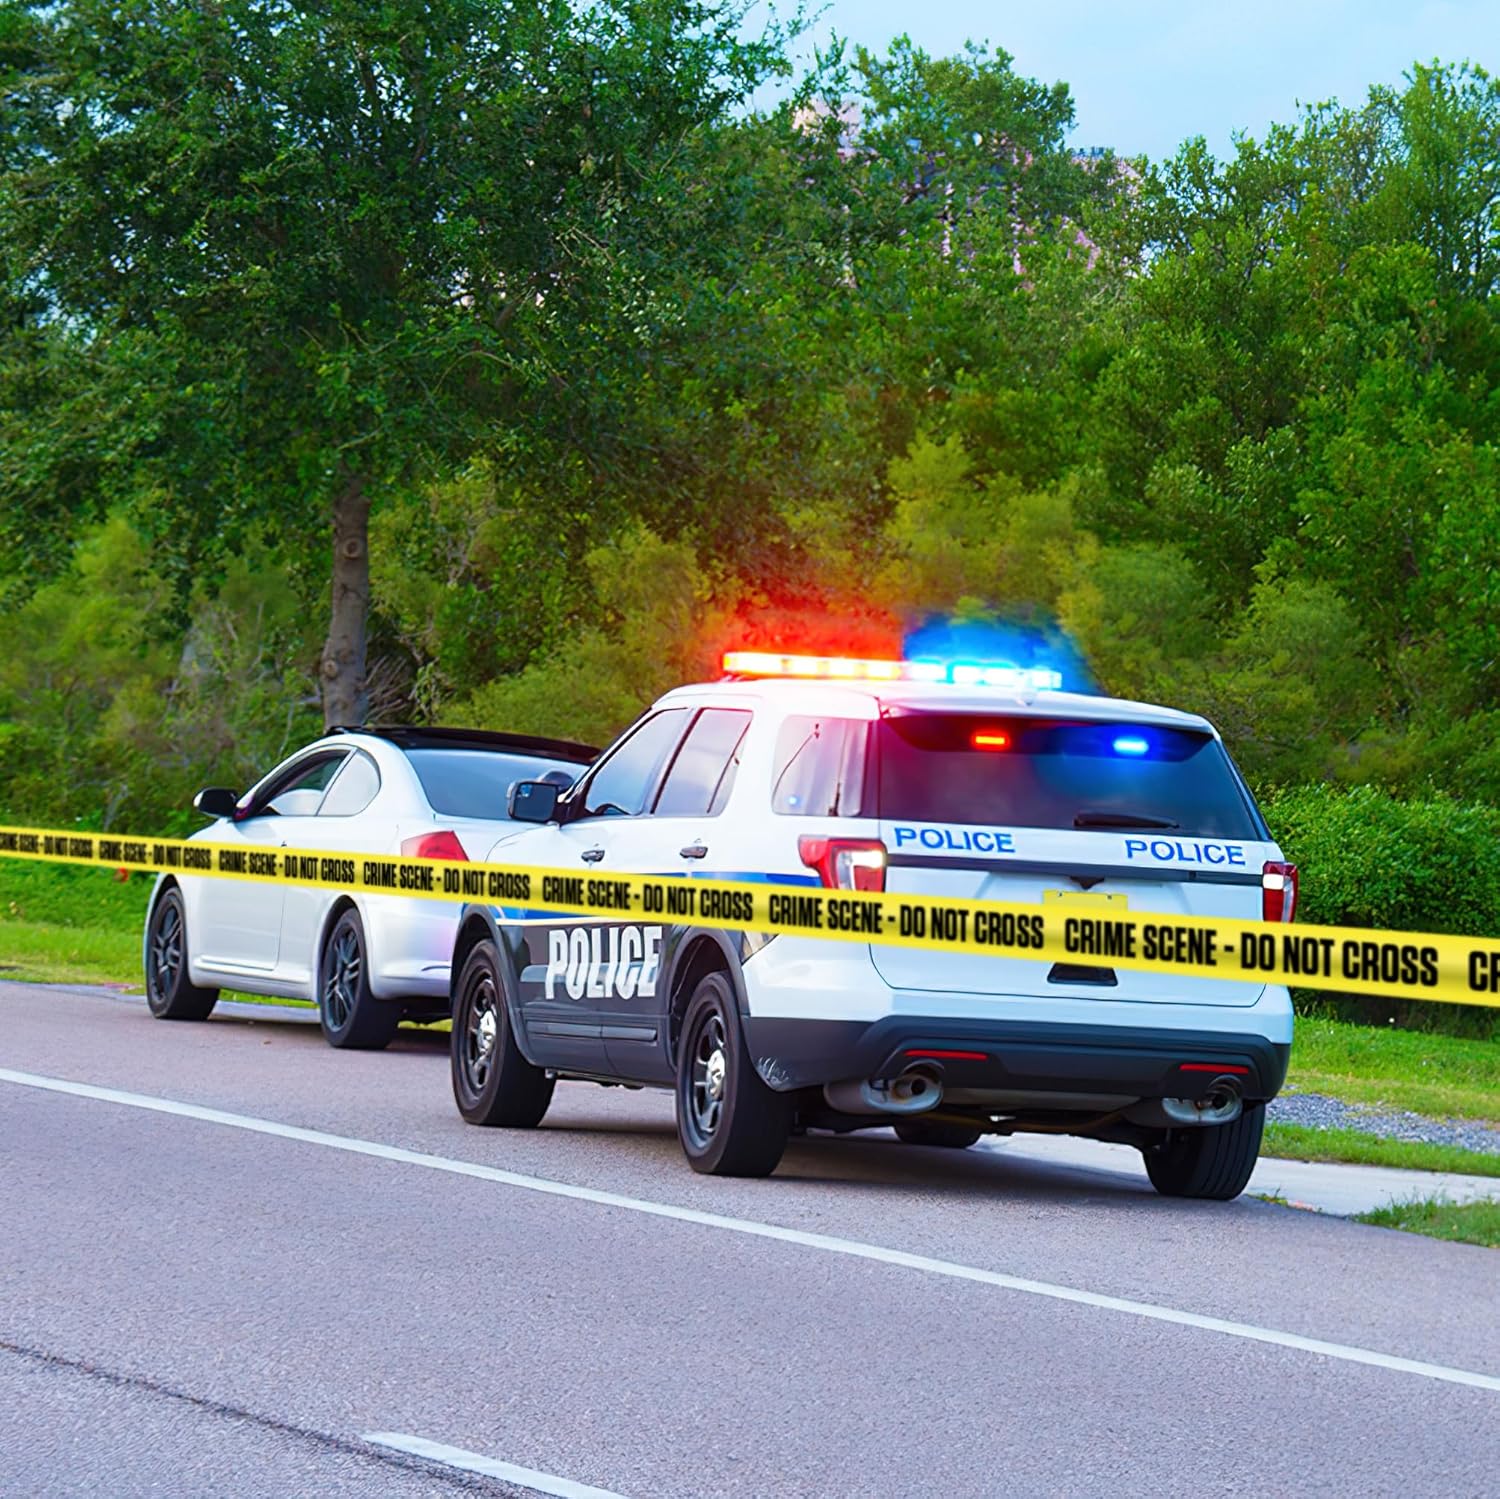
1131 744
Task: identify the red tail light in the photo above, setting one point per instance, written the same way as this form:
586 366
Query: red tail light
845 863
444 845
1278 891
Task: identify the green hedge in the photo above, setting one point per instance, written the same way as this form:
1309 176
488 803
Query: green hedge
1368 859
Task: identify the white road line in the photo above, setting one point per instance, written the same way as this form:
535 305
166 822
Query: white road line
491 1467
853 1248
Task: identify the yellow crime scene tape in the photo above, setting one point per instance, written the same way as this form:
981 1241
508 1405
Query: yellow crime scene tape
1067 925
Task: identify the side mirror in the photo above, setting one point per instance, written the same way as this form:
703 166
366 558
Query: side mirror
533 801
216 801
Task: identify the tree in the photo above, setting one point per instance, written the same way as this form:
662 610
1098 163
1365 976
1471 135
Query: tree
345 244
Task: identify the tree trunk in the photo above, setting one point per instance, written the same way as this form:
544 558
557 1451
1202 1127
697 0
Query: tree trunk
345 698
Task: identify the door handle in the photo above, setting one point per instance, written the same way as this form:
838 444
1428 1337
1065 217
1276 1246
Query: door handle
695 851
592 855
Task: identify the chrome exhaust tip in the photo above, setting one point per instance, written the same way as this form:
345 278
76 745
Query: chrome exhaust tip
913 1091
1222 1104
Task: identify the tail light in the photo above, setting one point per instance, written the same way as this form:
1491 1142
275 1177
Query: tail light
444 845
1278 891
845 863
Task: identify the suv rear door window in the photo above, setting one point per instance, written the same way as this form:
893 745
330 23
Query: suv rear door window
1055 773
702 775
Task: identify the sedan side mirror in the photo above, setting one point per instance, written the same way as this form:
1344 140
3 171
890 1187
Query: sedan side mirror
534 801
216 801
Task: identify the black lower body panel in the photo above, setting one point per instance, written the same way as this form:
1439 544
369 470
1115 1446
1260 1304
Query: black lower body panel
1020 1056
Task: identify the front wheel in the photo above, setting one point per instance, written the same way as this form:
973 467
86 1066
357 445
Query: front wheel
1209 1160
729 1122
170 993
493 1083
353 1019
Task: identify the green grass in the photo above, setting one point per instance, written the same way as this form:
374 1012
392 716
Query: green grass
1469 1223
65 896
43 952
1296 1142
1421 1071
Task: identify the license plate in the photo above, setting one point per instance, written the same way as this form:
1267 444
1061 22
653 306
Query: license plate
1096 898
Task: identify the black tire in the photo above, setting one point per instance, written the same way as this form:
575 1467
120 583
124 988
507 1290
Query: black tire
351 1016
1212 1161
729 1122
948 1136
493 1083
170 993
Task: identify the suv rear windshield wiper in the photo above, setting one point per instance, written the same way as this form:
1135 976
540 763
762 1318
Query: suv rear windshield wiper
1088 819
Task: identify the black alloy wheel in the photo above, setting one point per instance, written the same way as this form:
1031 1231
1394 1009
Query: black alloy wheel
728 1121
170 992
353 1019
493 1083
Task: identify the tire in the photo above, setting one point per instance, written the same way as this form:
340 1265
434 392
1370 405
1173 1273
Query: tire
1212 1161
493 1083
729 1122
948 1136
351 1016
170 993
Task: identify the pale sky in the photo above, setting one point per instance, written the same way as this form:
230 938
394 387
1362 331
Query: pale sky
1147 74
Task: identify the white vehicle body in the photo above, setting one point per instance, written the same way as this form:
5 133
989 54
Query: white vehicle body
353 793
1019 1043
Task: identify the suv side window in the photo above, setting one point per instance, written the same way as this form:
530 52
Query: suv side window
624 779
702 775
820 767
354 789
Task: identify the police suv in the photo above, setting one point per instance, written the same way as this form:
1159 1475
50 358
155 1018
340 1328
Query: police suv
967 780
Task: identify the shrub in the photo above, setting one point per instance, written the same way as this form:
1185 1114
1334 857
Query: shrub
1369 859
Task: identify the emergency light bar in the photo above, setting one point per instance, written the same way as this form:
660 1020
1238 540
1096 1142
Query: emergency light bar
849 669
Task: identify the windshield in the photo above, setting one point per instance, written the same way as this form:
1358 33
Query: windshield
1053 773
476 783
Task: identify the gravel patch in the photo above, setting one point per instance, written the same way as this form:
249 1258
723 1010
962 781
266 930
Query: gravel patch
1320 1112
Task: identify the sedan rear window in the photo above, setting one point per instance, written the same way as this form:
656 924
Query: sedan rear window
1056 773
476 783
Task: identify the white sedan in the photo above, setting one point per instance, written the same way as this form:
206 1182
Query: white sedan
367 960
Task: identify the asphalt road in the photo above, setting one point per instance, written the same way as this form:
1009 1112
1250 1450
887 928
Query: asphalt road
308 1248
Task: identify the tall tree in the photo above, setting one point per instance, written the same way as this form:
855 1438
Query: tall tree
337 242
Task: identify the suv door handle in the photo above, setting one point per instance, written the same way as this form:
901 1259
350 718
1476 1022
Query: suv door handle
695 851
592 855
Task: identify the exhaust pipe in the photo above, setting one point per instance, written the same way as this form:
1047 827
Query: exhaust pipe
914 1091
1222 1104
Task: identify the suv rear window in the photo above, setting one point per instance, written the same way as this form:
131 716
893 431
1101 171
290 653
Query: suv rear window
1054 773
476 783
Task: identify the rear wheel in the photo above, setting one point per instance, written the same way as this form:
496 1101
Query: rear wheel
170 993
729 1122
1212 1161
353 1019
949 1136
493 1083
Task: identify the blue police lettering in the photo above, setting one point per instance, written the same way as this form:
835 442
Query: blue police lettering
957 840
1178 851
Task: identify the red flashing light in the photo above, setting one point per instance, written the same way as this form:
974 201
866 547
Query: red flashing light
824 668
1213 1067
845 863
444 845
1278 891
937 1055
990 739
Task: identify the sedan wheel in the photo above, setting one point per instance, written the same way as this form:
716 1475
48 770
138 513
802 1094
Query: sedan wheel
170 992
353 1019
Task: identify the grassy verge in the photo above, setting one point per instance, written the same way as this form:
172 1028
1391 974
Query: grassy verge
1424 1072
44 952
1469 1223
1295 1142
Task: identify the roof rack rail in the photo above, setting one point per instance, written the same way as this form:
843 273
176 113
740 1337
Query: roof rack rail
415 736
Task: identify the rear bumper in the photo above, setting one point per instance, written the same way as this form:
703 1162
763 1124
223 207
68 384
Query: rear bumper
1018 1056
